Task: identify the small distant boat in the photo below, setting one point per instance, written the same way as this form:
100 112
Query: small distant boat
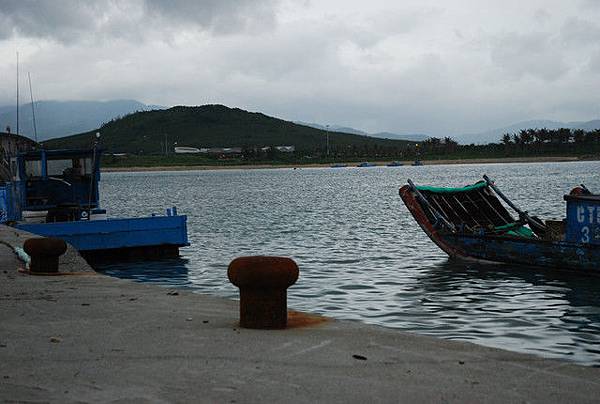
339 165
417 163
470 222
395 164
366 164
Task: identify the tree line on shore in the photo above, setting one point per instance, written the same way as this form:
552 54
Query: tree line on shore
526 142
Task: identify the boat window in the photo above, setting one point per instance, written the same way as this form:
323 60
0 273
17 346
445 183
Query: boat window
33 168
86 164
57 167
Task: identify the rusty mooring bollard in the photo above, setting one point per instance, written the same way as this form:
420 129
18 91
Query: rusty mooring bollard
263 283
44 253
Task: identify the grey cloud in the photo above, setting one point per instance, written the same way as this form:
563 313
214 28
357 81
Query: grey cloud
579 31
541 15
386 24
217 15
402 22
377 66
594 64
61 19
590 4
533 54
72 20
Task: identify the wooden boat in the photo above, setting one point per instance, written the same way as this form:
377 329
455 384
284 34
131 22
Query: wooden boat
472 223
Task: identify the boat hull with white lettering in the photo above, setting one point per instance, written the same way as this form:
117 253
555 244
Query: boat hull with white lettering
471 223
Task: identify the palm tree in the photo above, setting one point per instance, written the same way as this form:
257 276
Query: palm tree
564 135
526 136
450 144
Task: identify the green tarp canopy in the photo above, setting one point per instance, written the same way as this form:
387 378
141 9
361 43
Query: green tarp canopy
515 229
440 190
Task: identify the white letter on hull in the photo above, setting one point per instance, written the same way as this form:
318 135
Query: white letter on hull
580 214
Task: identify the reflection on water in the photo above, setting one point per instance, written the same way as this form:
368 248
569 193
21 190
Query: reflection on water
166 272
363 257
516 308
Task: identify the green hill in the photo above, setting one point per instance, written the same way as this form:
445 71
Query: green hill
217 126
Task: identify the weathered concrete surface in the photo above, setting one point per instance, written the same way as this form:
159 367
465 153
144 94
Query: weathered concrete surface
71 261
91 338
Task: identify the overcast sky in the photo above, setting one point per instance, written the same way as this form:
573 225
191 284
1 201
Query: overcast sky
435 67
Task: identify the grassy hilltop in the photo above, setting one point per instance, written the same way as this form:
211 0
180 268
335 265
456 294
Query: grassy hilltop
144 133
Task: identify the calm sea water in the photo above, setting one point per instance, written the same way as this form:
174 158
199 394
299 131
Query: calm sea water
363 257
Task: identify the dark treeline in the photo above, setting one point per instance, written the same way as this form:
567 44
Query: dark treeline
526 142
543 140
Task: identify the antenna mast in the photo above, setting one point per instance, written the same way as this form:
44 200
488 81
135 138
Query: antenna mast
32 107
17 93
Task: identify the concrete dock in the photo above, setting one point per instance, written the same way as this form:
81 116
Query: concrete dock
87 337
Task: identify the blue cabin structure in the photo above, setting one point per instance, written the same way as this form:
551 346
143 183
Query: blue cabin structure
583 218
54 193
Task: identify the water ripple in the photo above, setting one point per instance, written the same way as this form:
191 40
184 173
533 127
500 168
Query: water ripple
362 256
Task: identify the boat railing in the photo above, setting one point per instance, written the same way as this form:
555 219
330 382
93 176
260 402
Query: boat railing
473 209
535 223
439 218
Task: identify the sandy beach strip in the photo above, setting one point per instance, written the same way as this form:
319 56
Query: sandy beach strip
541 159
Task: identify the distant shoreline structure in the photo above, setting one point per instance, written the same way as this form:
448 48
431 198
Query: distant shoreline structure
541 159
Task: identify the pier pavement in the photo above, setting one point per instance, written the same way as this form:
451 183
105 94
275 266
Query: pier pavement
91 338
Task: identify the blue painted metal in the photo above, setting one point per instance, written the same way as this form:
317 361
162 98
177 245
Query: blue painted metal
4 204
65 184
9 210
87 235
536 252
577 249
583 219
46 179
44 161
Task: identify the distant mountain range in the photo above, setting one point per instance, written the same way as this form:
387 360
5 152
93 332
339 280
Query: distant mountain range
494 135
417 137
62 118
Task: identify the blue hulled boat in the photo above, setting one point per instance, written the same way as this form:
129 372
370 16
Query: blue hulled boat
54 193
470 222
